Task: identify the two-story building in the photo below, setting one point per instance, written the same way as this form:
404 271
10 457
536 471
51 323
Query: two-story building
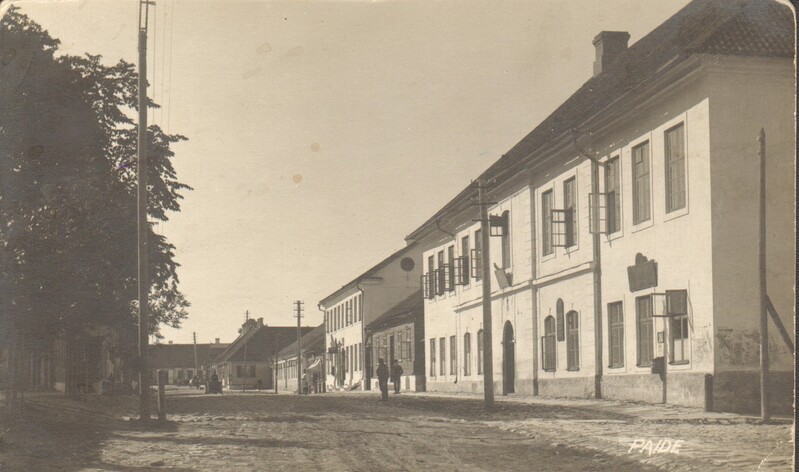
351 308
624 259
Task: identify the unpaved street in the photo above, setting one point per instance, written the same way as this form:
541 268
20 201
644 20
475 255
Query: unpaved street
323 432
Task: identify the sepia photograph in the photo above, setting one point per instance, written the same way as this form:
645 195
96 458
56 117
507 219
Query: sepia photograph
397 235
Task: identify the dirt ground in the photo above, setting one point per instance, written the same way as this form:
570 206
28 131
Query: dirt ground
355 431
260 431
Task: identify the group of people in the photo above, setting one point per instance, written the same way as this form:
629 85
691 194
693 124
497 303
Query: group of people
383 374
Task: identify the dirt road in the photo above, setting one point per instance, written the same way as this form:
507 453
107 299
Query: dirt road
269 432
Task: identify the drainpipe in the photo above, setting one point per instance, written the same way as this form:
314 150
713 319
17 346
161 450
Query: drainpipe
597 262
323 377
365 385
534 288
597 290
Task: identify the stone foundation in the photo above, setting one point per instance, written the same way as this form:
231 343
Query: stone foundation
573 387
739 392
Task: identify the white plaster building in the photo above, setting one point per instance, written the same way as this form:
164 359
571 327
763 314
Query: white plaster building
635 200
351 308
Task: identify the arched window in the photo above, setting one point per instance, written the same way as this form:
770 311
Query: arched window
572 340
559 314
480 352
548 344
467 354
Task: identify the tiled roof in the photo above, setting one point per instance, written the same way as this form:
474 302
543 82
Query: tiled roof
405 311
260 344
314 342
733 27
164 356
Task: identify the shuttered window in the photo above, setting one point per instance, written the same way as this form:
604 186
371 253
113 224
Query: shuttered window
675 168
467 354
641 184
616 333
548 344
570 207
546 222
613 192
645 334
572 341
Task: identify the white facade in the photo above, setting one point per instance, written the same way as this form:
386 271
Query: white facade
358 303
633 249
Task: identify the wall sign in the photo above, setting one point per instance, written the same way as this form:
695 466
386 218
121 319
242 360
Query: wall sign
642 275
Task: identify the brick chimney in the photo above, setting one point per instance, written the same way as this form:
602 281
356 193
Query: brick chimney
260 322
170 342
609 45
217 341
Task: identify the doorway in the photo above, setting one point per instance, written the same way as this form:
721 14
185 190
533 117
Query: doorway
508 360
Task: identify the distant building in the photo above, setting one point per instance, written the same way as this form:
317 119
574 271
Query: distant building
349 309
249 361
311 364
399 334
180 362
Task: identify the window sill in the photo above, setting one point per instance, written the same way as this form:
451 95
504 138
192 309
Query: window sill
621 366
573 369
644 365
674 214
643 225
680 363
549 370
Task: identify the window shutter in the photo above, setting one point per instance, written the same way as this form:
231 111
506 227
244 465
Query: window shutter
598 212
676 302
423 280
560 228
475 265
560 327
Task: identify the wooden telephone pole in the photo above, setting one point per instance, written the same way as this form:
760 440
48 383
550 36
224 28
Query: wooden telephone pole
488 353
764 364
142 227
299 309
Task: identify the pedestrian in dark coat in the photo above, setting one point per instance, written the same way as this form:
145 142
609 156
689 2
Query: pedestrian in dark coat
396 375
382 378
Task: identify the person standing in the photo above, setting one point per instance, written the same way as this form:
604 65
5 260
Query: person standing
382 378
396 375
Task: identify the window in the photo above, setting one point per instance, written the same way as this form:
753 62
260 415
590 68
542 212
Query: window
675 168
432 357
431 279
357 306
467 354
442 350
569 206
548 344
245 371
348 309
453 355
450 272
480 352
645 344
405 345
572 341
641 190
613 192
477 253
441 282
505 240
560 318
616 333
465 257
546 222
678 328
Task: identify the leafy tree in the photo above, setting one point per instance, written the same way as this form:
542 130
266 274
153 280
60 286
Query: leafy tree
68 257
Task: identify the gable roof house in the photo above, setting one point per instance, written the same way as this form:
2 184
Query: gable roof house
180 361
352 307
624 254
249 360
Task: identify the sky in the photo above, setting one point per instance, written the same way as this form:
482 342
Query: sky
322 133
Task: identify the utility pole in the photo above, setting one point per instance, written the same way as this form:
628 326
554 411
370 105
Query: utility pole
488 356
299 309
141 176
196 367
244 332
764 367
